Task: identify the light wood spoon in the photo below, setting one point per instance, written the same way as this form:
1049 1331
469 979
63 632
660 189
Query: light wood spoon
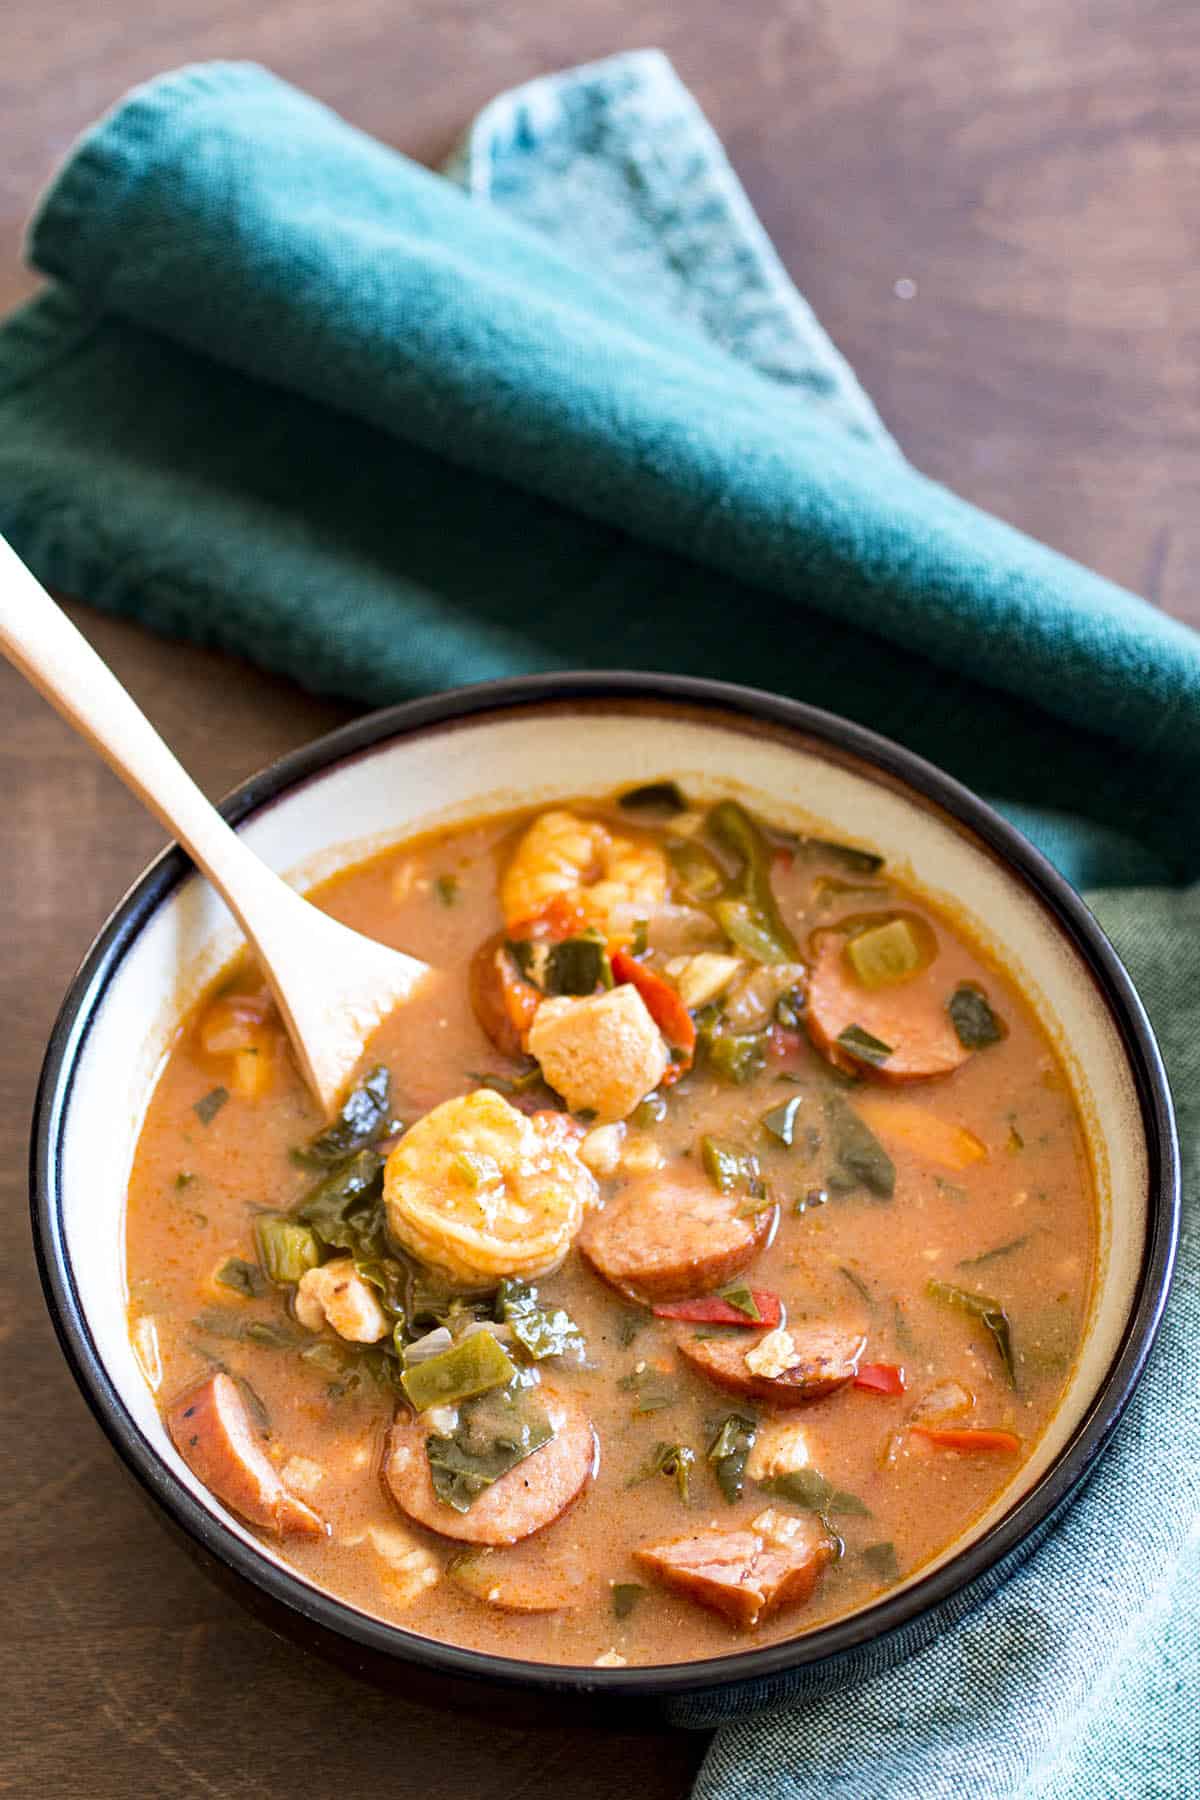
332 985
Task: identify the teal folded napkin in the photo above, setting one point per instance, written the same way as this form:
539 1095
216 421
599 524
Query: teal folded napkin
384 430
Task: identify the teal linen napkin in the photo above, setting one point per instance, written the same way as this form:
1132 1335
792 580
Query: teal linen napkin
295 396
298 398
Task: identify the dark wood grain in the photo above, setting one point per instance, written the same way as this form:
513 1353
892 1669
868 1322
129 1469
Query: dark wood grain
1032 169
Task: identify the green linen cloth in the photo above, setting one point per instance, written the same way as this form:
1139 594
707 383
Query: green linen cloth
294 396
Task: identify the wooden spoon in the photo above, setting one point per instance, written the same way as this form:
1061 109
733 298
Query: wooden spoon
332 985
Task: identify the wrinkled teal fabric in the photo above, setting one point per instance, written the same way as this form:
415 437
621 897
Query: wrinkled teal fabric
298 397
383 431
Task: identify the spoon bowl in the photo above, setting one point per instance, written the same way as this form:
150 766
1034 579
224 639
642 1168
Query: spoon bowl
333 987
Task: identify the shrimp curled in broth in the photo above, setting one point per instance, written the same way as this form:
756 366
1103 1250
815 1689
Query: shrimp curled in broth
580 860
479 1191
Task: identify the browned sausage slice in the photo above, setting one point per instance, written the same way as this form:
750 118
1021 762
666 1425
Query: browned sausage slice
670 1239
525 1500
503 1002
912 1020
747 1575
828 1358
211 1430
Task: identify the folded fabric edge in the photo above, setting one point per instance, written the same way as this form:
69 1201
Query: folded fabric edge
64 212
515 119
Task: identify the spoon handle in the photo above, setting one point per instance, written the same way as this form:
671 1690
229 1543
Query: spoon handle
41 641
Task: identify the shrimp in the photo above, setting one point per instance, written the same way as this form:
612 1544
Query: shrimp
479 1191
598 870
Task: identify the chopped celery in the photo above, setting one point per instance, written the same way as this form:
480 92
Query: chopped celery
697 873
473 1366
285 1248
884 955
724 1164
736 1056
745 926
763 932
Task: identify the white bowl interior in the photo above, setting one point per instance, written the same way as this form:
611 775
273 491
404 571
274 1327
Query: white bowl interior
416 783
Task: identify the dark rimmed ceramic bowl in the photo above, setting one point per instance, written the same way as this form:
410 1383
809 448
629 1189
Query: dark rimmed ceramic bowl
462 754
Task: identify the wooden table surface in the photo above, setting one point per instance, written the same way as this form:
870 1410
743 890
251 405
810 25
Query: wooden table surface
993 209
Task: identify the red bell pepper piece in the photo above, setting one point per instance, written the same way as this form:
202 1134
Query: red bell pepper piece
968 1438
712 1310
880 1378
664 1005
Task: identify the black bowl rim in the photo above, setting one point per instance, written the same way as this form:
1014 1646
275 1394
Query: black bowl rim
1074 1462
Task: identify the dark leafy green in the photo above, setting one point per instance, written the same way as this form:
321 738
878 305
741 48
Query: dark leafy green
864 1047
973 1019
727 1454
781 1120
882 1561
494 1434
655 796
991 1316
987 1256
858 862
243 1277
540 1331
507 1084
741 1298
207 1108
675 1460
860 1157
576 966
232 1328
629 1323
362 1120
858 1284
345 1210
809 1488
652 1390
625 1596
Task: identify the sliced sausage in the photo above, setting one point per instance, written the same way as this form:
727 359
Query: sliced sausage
749 1574
211 1430
827 1355
668 1239
912 1020
525 1500
502 1000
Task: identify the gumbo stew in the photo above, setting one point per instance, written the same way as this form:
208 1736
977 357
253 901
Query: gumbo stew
697 1257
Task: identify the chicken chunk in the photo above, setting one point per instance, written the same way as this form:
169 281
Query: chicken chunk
603 1054
781 1448
335 1294
406 1568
